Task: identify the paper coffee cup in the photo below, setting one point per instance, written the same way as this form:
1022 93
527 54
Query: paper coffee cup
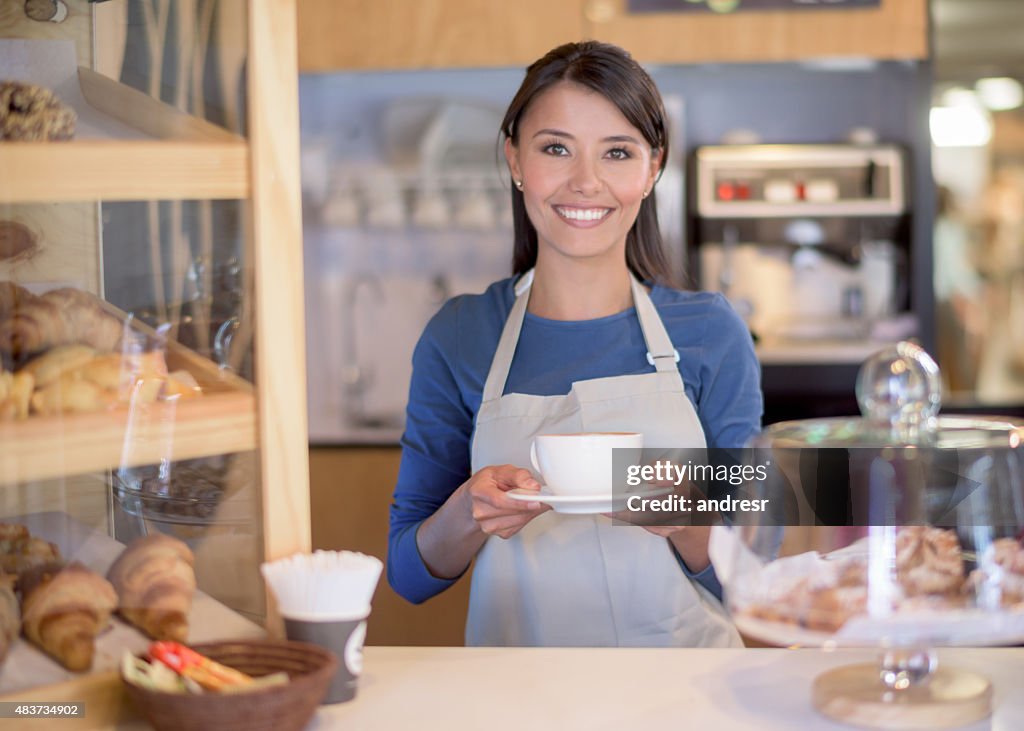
324 599
343 637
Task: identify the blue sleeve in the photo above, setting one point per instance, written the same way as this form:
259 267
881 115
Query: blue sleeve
730 404
435 456
706 578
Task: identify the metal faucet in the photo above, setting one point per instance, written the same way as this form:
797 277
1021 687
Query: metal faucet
356 378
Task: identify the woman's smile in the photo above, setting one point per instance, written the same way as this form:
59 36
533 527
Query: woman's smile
581 217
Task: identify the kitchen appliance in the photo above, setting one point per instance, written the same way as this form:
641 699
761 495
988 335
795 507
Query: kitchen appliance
809 242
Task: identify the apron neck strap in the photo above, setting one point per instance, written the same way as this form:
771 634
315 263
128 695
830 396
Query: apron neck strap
660 352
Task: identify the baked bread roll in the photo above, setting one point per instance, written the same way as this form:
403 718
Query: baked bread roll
72 395
15 394
155 582
49 366
13 297
63 609
20 551
31 113
101 382
59 317
10 616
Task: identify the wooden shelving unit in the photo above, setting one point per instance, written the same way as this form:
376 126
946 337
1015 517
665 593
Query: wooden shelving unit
182 158
176 157
221 421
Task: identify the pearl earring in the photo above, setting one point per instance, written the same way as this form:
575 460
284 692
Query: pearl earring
519 184
646 193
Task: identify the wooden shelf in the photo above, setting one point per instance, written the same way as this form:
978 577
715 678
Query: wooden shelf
184 158
222 420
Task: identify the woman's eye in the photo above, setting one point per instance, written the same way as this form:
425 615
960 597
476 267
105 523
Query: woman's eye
619 153
556 148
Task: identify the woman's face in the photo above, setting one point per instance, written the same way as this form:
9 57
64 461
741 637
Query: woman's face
584 170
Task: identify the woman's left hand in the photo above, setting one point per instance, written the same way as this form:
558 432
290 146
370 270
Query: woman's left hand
690 541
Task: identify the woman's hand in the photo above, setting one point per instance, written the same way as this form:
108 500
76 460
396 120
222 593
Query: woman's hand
493 511
450 538
689 534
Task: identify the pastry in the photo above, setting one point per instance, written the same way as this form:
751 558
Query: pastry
127 375
49 366
155 582
59 317
928 561
15 394
10 615
20 551
100 382
929 576
13 297
1002 568
31 113
70 395
63 609
17 241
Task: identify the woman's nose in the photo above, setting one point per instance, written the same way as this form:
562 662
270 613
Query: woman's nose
585 179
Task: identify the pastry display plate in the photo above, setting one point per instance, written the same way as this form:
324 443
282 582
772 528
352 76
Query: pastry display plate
27 667
953 628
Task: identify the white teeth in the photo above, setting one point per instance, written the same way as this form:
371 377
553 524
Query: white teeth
582 214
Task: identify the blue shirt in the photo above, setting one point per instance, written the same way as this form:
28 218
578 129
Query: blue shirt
451 361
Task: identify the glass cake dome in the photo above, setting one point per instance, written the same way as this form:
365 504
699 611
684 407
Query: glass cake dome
900 529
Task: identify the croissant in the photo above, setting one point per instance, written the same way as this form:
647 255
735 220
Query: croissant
59 317
155 582
10 617
63 609
13 297
19 550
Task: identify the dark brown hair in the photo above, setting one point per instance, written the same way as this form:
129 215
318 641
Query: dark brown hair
613 73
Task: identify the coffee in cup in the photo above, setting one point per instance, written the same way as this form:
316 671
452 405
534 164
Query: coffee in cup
581 463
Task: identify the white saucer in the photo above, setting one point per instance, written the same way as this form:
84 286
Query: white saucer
586 504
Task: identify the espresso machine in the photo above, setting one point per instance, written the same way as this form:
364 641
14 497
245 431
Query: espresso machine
811 245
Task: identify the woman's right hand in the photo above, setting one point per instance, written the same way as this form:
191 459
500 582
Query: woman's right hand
492 510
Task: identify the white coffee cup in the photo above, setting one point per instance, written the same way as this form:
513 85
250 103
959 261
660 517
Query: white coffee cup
580 464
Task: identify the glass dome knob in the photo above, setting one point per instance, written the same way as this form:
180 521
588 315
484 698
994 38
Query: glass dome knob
899 387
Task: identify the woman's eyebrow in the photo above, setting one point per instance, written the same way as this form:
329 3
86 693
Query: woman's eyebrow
554 132
612 138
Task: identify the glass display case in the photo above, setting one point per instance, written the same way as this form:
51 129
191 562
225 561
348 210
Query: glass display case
152 389
918 527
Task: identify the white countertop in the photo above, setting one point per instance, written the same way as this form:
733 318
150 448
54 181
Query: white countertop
544 688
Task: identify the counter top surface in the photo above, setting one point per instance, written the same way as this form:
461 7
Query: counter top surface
546 688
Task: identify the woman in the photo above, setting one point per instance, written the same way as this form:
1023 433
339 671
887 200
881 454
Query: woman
584 338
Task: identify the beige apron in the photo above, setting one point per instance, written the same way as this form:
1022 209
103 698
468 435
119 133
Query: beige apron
578 580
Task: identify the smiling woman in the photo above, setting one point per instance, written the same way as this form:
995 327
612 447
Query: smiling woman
583 171
586 337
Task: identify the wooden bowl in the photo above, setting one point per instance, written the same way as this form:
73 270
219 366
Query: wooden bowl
279 708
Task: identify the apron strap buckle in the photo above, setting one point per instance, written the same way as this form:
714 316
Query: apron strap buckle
652 358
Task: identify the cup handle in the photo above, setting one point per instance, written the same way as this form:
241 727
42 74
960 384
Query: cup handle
533 456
